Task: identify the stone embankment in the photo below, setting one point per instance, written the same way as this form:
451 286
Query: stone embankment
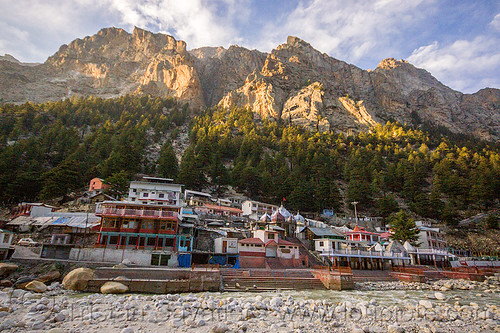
443 306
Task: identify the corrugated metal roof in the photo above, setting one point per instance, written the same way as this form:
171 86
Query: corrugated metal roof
22 220
324 232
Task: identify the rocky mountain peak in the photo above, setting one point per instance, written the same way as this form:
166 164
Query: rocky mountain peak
294 82
391 63
8 57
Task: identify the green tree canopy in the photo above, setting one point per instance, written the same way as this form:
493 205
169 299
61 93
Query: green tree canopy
403 228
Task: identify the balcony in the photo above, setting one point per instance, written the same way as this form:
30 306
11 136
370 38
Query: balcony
365 254
126 212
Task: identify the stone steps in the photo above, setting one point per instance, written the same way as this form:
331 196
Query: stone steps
270 283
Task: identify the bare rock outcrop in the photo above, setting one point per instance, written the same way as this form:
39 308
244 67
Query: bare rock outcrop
293 83
108 64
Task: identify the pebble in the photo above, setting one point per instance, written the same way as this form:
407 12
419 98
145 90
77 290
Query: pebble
267 312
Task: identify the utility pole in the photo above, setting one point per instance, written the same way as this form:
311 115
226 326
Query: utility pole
354 203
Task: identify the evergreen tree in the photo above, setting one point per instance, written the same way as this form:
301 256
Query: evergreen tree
118 184
403 228
168 167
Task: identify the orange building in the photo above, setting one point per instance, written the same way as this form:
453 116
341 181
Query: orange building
97 185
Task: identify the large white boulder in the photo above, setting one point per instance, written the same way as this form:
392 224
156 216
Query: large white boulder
36 286
113 287
78 278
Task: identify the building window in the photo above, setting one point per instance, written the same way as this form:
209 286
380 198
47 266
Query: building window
161 195
132 240
321 244
132 224
110 223
113 240
148 224
145 195
151 241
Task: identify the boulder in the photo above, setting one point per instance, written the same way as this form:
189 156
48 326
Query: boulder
36 286
5 283
23 281
78 278
49 277
6 268
112 287
395 329
440 296
425 303
121 278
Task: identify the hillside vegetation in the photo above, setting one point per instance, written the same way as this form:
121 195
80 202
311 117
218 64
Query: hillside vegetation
48 150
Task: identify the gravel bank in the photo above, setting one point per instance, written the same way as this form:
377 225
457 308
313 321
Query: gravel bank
443 306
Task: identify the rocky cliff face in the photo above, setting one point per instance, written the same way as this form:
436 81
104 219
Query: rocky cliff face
294 83
110 63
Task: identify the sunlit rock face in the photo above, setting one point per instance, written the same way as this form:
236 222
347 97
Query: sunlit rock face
294 83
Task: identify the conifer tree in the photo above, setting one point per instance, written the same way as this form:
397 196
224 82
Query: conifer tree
403 228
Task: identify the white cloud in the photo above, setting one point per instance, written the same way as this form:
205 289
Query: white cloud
495 23
31 30
195 21
465 65
350 30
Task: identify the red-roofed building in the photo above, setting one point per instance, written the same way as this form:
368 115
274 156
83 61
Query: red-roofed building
221 210
359 234
267 246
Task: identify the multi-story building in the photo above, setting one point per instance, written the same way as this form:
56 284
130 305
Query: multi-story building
147 220
254 209
155 191
195 198
429 237
139 226
236 200
431 246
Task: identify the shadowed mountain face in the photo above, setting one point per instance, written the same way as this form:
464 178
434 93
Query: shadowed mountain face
295 83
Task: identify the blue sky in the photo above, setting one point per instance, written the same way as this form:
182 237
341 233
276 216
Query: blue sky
457 41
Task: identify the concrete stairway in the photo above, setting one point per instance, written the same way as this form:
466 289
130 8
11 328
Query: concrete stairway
313 258
262 280
372 276
274 263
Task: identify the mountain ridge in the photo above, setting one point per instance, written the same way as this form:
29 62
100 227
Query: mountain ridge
293 83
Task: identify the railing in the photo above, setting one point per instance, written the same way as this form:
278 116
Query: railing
408 270
334 269
462 269
205 267
360 253
135 212
430 251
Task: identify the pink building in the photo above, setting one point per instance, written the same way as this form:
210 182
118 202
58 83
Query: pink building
266 247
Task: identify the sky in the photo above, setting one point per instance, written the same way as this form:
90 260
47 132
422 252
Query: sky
457 41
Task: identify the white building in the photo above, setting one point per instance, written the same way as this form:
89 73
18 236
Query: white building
196 198
254 209
155 191
326 245
5 242
226 245
429 237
